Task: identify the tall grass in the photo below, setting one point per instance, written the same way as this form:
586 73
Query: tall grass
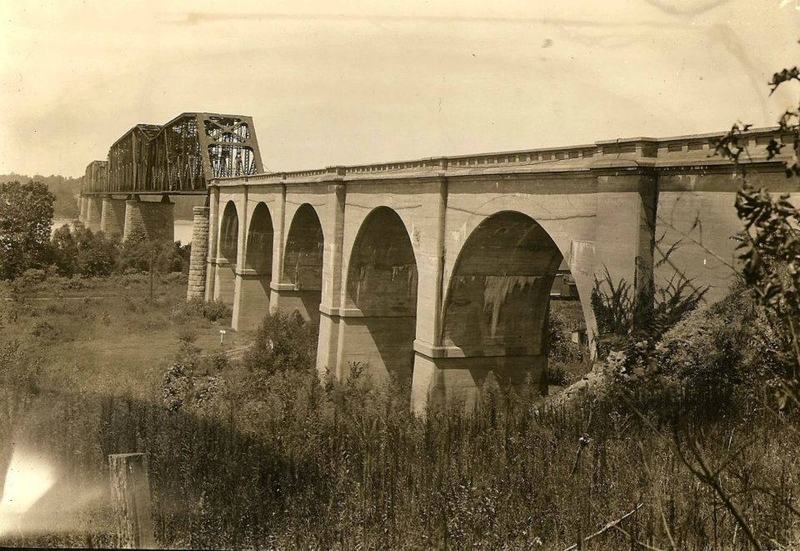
347 466
258 454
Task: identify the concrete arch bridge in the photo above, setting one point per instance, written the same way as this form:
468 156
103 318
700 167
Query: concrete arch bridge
439 270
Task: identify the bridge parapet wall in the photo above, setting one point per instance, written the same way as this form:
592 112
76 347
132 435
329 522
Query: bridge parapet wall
678 151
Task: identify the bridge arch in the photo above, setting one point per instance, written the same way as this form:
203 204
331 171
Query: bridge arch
259 240
301 279
257 274
227 254
381 298
498 298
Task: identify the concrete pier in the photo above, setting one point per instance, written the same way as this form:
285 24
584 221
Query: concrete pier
94 212
149 219
112 218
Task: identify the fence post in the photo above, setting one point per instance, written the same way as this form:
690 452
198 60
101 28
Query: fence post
130 495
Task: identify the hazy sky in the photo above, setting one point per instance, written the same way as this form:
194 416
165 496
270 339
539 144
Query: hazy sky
341 83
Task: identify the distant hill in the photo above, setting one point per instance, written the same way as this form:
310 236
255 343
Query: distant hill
65 189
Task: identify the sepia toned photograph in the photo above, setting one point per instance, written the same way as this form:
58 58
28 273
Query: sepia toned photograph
377 275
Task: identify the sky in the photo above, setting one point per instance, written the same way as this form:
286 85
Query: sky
332 83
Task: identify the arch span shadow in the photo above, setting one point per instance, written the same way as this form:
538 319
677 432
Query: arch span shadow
302 266
498 303
227 256
381 289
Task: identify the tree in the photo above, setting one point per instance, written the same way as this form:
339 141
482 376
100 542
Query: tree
64 251
770 242
164 255
26 215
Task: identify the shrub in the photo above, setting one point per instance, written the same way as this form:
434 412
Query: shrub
283 342
710 364
73 284
187 334
557 375
566 360
32 277
213 310
64 250
218 361
192 381
179 378
78 250
96 253
164 256
614 307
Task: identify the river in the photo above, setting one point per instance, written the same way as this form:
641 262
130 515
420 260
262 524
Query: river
183 229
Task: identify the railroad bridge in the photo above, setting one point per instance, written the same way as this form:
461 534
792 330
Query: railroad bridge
131 191
438 271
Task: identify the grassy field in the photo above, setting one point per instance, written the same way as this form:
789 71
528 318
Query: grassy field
255 453
105 335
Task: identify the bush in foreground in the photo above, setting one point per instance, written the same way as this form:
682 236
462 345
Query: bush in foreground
283 342
213 310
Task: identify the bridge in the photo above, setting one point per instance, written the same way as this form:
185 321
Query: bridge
130 191
438 271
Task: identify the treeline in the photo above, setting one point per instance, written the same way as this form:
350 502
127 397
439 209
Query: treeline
65 190
76 250
26 217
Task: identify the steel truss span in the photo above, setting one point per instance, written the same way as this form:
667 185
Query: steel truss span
180 157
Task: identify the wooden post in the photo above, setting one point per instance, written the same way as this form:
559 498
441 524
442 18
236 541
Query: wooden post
130 495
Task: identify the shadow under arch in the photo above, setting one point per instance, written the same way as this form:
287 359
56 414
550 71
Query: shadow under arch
257 275
301 279
498 300
381 287
227 255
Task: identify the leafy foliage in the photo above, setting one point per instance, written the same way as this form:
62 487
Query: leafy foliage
164 256
212 310
715 361
613 308
284 342
612 305
769 243
65 190
26 214
566 360
77 250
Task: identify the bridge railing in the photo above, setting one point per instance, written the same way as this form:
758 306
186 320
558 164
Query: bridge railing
697 149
